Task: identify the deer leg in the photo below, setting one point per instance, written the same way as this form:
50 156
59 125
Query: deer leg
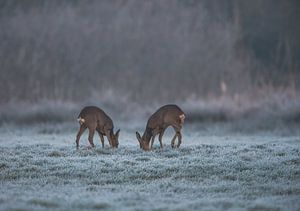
154 133
91 135
160 138
173 141
101 138
81 130
107 133
152 141
179 136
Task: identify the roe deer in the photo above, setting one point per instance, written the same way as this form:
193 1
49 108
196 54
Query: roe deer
94 118
168 115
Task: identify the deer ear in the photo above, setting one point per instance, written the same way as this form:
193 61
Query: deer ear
117 133
138 136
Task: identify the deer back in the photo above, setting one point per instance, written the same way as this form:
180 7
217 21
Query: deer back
92 115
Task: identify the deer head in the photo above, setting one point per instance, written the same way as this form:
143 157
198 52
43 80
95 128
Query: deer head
114 139
143 143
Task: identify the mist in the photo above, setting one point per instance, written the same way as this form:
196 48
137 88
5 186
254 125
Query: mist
133 54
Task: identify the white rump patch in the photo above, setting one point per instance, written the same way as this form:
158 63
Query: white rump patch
81 120
182 117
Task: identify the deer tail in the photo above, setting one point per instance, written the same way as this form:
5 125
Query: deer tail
81 120
181 117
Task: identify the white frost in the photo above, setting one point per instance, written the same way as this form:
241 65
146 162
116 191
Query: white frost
41 169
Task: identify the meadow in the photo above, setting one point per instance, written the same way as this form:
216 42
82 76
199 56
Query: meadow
214 168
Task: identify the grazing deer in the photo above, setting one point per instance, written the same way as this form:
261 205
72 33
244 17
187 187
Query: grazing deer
94 118
168 115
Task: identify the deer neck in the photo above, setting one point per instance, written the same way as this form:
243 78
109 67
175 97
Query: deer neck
147 135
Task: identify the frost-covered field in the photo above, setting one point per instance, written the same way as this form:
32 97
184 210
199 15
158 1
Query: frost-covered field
41 169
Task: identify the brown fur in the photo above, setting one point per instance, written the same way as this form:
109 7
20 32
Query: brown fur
95 119
168 115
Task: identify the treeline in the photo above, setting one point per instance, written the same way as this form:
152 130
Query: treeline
161 50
